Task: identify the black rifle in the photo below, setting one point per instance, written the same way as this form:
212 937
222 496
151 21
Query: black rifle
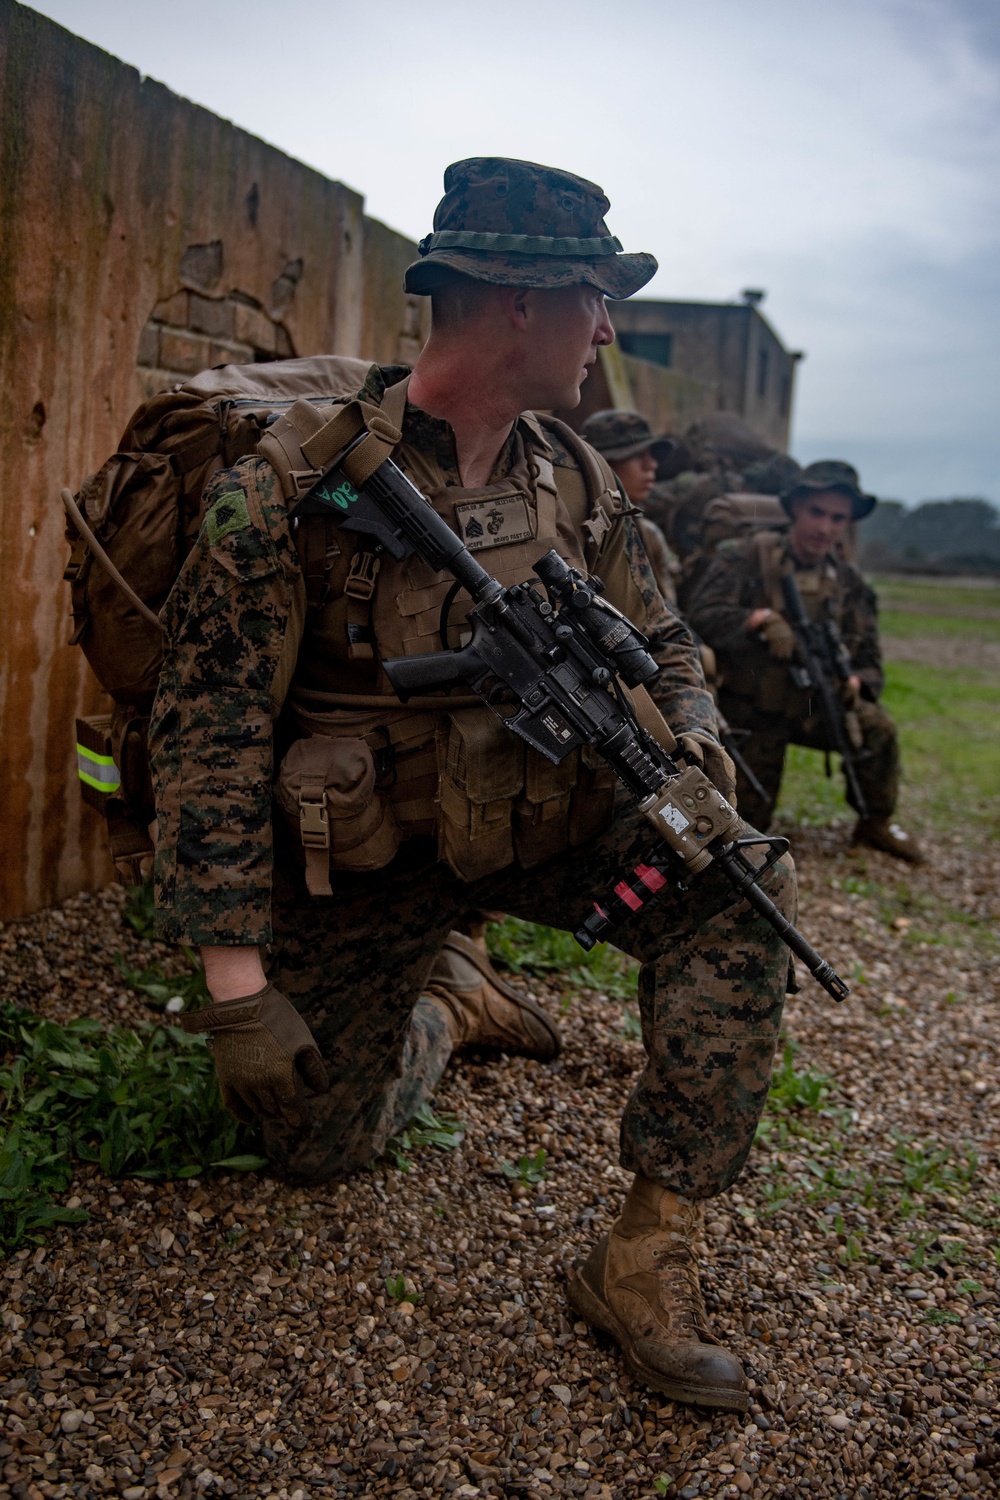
552 669
732 739
823 662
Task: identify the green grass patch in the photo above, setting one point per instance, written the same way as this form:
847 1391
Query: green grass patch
528 948
910 625
949 724
936 596
160 988
527 1170
137 1102
445 1132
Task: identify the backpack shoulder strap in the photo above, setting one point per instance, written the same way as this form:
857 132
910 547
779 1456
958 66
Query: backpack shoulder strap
769 547
304 440
605 498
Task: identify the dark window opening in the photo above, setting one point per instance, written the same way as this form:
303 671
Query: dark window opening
658 348
762 372
786 395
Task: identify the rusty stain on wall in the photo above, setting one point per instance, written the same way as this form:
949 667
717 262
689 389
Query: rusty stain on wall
140 236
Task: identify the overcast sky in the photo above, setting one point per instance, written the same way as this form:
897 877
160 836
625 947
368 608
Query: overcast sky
842 155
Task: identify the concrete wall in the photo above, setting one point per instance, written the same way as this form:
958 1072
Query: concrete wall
141 238
729 348
668 399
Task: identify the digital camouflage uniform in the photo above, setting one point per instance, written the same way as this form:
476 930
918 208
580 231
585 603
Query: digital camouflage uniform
252 631
757 692
238 637
619 434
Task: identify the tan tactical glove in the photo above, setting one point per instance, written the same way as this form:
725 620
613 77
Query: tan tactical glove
264 1054
702 750
778 636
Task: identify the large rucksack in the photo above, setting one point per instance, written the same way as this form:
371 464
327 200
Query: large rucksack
725 518
130 528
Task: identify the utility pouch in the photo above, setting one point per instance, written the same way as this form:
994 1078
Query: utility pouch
326 792
482 771
112 759
541 823
592 805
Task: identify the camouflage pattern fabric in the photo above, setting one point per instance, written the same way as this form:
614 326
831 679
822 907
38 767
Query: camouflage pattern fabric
733 585
764 752
711 993
662 561
829 475
618 434
516 223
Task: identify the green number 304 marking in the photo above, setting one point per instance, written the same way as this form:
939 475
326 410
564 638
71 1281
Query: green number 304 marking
344 495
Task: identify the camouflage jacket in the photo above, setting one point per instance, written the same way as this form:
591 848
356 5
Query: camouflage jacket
662 560
734 584
237 639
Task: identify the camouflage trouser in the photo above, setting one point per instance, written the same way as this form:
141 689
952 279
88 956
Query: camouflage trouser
764 752
711 990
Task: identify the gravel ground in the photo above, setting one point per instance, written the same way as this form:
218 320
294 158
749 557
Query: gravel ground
236 1336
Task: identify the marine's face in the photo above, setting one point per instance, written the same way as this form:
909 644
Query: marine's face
637 474
818 523
565 327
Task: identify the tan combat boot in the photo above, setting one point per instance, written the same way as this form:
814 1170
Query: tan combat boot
881 833
481 1009
640 1284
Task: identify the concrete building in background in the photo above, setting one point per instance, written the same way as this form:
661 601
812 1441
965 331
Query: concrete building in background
728 348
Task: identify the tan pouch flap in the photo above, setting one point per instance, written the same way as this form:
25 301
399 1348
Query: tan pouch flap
343 768
483 759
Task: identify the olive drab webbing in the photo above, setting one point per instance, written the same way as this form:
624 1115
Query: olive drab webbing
458 772
820 590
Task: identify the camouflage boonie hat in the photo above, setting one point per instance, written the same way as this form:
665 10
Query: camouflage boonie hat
515 223
625 434
830 474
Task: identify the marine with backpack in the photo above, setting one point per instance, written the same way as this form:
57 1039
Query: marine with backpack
309 820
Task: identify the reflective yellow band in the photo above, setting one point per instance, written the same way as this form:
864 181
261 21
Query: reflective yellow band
98 771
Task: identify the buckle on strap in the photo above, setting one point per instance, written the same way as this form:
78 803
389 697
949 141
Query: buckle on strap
314 822
360 582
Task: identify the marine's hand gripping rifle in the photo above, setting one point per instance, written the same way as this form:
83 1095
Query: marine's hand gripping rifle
823 660
552 669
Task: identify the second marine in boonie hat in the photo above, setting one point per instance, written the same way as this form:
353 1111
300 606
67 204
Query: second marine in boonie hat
516 223
618 434
830 474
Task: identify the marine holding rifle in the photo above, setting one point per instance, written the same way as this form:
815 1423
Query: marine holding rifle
391 819
795 630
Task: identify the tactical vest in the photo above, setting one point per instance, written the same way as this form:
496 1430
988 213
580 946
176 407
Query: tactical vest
774 690
366 772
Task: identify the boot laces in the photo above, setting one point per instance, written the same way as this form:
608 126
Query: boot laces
680 1293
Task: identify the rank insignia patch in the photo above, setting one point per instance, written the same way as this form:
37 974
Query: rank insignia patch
494 522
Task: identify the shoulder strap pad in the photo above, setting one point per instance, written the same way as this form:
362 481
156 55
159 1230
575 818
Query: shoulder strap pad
601 481
608 502
769 548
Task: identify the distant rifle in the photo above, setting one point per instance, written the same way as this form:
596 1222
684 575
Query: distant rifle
823 663
552 669
732 739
